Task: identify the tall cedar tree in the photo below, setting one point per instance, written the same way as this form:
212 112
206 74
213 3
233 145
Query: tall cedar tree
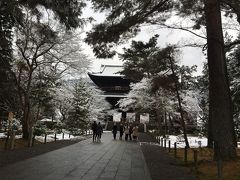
220 105
7 89
123 22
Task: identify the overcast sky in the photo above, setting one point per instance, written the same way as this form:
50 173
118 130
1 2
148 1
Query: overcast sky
189 55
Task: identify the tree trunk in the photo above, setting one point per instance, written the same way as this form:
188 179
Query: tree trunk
30 137
221 121
209 131
25 127
159 121
171 127
137 117
25 121
165 123
179 105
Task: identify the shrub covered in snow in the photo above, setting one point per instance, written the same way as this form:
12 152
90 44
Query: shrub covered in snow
39 129
15 124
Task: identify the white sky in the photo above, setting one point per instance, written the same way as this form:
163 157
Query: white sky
189 55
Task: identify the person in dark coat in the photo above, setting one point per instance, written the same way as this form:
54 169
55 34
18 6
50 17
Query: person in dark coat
99 132
114 131
130 132
121 130
94 130
126 131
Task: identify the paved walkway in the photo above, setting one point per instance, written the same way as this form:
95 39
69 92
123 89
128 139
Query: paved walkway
109 160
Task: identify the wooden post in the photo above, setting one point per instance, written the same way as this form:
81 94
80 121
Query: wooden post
63 135
165 143
6 141
45 138
219 162
195 158
220 169
55 137
30 138
10 116
33 140
12 140
175 149
169 146
185 154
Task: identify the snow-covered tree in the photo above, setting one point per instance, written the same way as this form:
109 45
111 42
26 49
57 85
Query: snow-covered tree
78 114
99 107
234 76
44 52
139 98
142 98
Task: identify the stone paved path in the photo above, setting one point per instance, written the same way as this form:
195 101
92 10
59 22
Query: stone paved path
109 160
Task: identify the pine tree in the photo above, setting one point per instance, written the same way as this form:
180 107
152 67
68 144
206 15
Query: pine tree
142 60
233 62
79 111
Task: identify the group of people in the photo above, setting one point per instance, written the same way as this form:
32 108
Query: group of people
131 132
97 131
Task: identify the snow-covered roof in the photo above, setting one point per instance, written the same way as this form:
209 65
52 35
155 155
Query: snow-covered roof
113 95
109 70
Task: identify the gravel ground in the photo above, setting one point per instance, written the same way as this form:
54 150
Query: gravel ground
160 164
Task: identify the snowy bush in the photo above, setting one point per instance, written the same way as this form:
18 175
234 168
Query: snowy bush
15 124
76 131
58 127
39 129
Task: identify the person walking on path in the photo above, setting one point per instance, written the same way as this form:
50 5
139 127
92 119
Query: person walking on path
121 131
130 132
99 132
94 130
135 132
126 131
114 131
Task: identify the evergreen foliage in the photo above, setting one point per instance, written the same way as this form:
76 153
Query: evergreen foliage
143 60
234 76
123 22
79 111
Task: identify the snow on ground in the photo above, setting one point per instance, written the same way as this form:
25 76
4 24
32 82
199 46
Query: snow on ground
51 137
2 135
61 136
194 141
